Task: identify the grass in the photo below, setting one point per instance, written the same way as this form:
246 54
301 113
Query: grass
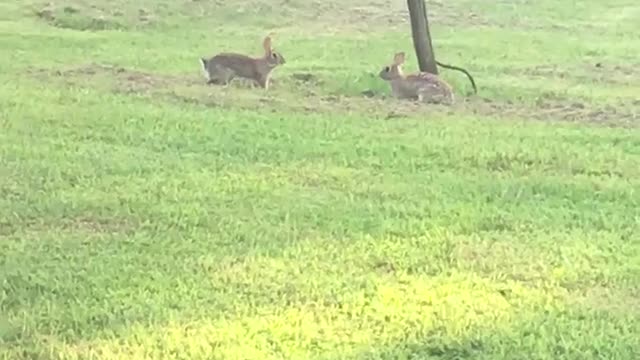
145 215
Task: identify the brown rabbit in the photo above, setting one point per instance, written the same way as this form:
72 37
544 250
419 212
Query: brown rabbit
420 86
222 68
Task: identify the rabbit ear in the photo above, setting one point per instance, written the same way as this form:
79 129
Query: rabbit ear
266 44
398 59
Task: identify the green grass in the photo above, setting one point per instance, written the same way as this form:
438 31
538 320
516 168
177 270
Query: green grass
145 215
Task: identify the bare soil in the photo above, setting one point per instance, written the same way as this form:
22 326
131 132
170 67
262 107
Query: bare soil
193 90
598 73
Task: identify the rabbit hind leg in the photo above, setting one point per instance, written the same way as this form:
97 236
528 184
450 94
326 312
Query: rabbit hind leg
221 75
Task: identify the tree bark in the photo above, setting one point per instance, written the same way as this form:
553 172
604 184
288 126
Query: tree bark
421 36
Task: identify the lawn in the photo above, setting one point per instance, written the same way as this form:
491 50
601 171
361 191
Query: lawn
146 215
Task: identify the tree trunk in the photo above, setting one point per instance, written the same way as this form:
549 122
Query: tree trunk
421 36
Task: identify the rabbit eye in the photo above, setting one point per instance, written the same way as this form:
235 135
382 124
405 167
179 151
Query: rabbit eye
386 69
274 55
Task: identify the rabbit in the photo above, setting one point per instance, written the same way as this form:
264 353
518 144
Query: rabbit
421 86
224 67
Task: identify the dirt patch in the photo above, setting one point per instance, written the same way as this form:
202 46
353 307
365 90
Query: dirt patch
442 13
554 109
545 109
188 89
362 14
287 92
90 17
120 14
120 79
591 73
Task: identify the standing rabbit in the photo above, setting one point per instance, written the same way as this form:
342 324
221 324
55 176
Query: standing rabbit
420 86
222 68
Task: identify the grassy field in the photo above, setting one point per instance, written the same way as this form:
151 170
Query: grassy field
145 215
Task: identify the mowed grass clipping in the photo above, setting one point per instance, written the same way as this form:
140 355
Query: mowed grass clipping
145 215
